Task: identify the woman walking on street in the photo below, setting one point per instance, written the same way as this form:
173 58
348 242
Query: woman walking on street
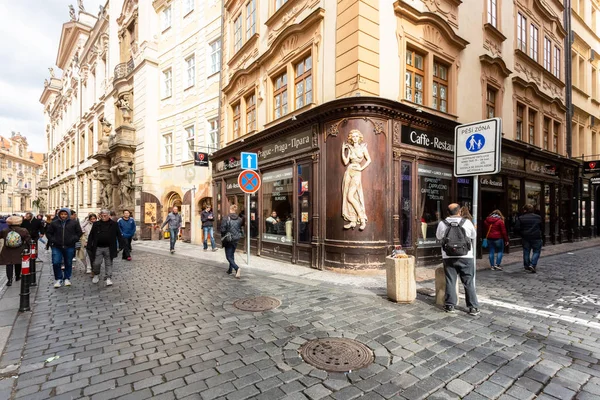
86 257
15 240
497 238
231 233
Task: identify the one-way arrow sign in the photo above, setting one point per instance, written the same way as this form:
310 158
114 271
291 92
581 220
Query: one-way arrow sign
249 160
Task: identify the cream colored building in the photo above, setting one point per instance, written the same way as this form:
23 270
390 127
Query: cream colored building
586 85
74 111
189 64
298 75
24 174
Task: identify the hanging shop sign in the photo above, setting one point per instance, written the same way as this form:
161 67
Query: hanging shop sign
428 140
200 159
595 180
591 167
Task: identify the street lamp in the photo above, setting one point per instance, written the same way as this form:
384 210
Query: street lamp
3 185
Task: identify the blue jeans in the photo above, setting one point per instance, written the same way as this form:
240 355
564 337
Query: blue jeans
229 255
62 255
528 246
173 238
205 232
496 247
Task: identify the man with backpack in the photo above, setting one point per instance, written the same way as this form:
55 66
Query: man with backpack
16 239
455 234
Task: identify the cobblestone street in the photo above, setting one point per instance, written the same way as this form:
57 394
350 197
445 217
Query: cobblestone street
168 329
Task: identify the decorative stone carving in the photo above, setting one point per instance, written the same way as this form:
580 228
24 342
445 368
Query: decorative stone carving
354 152
432 35
126 110
447 8
121 173
531 75
51 70
334 129
106 127
289 46
71 12
80 5
105 195
396 135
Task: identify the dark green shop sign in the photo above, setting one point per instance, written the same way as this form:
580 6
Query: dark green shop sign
278 148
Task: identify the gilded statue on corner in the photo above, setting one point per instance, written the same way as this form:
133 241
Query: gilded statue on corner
354 153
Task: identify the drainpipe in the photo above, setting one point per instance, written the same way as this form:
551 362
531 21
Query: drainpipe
569 117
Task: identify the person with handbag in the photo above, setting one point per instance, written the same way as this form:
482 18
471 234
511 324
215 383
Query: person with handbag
231 233
174 222
15 239
496 238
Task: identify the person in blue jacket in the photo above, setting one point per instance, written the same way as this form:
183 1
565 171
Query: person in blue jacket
127 228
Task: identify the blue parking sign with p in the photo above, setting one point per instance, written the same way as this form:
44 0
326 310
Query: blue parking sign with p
249 160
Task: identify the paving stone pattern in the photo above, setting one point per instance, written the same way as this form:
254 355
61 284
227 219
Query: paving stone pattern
168 329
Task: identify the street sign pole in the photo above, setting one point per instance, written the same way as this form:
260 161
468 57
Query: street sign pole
248 228
475 204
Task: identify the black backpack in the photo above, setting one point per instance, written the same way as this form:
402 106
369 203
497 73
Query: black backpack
455 241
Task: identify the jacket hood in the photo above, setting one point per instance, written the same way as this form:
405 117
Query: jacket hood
492 219
68 211
233 216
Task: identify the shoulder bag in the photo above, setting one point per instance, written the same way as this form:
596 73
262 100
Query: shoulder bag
484 242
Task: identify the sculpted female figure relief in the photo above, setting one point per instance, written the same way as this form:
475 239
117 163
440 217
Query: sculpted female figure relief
354 153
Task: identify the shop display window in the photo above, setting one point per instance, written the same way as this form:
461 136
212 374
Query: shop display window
546 215
514 204
235 196
277 187
219 209
434 186
304 203
406 205
532 195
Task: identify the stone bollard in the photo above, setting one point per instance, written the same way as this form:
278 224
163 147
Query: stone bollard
440 286
400 277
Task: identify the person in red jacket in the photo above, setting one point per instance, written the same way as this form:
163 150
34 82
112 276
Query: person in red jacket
497 238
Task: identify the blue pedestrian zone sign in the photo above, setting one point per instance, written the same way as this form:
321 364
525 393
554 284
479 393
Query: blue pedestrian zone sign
477 149
249 160
475 142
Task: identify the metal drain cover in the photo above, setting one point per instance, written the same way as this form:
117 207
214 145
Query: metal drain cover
336 354
255 304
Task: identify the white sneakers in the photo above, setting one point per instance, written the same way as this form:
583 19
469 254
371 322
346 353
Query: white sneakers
88 270
238 273
108 282
67 282
95 279
57 284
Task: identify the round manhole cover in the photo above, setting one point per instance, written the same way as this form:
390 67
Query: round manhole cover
336 354
260 303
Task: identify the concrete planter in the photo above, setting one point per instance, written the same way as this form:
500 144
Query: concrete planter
401 282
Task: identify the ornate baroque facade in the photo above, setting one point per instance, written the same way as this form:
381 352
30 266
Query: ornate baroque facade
25 174
299 75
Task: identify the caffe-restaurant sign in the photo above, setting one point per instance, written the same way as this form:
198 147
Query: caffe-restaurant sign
591 166
428 140
491 181
538 167
277 148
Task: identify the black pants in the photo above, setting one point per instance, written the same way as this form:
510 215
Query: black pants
9 270
230 255
127 247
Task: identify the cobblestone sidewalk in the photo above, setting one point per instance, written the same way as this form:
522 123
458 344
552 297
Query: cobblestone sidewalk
167 329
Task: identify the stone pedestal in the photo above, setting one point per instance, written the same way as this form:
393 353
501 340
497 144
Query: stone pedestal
401 282
440 286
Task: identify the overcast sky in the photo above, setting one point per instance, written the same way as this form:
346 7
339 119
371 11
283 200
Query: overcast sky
30 31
